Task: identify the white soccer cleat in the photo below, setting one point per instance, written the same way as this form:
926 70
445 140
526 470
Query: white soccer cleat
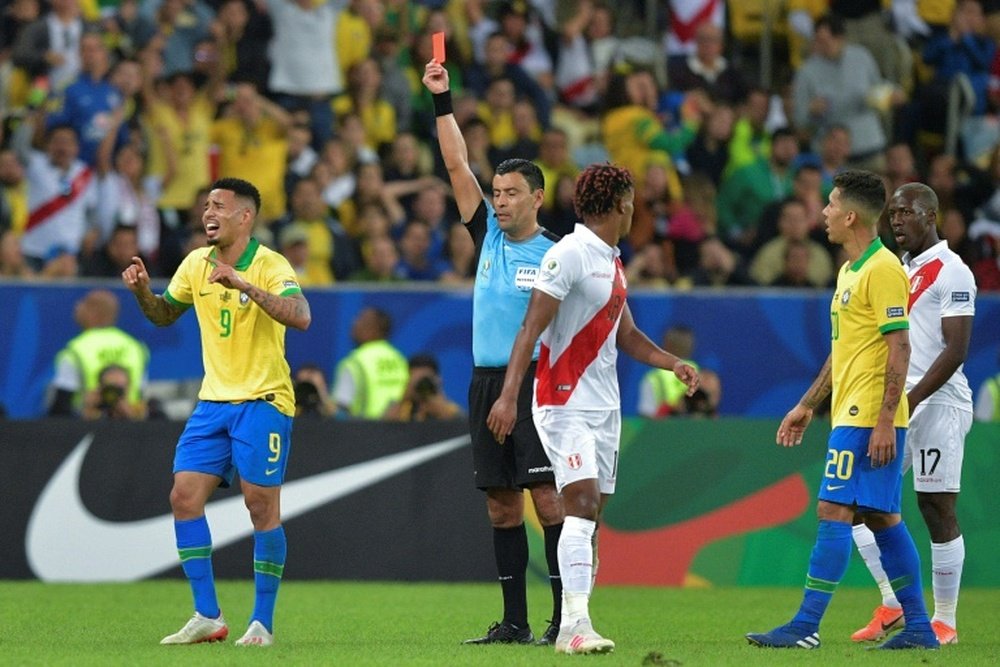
256 635
199 629
581 638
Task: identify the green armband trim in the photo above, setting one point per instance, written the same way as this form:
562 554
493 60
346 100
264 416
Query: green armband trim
169 298
893 326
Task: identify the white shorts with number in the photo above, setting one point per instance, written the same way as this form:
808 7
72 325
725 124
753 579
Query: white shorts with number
935 445
581 444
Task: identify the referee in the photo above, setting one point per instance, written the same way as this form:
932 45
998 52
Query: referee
509 245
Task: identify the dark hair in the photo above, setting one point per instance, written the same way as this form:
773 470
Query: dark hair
924 194
864 189
527 168
240 188
599 188
424 360
782 132
383 321
833 23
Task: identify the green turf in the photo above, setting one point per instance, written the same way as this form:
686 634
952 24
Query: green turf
332 623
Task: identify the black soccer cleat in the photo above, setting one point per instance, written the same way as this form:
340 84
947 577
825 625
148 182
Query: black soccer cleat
548 637
504 633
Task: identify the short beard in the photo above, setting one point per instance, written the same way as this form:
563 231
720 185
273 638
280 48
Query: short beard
212 242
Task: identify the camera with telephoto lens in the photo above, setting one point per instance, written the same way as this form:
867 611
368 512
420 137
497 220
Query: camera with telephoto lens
426 386
110 395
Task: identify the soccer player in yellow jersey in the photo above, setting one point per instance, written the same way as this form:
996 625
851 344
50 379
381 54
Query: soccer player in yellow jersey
866 371
244 296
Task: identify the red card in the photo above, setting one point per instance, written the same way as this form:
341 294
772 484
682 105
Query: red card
437 41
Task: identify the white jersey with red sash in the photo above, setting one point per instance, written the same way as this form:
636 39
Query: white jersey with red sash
685 17
941 285
58 203
577 360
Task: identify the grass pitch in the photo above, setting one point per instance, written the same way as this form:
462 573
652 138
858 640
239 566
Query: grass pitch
336 623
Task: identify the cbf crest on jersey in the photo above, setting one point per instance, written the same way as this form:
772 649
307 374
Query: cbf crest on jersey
244 298
845 297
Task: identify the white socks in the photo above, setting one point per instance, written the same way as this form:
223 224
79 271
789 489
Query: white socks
946 568
946 572
864 538
576 567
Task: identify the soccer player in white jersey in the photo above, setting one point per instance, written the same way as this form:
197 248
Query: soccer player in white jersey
578 308
942 304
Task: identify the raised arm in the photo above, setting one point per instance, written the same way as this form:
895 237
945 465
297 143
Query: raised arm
468 194
157 310
541 309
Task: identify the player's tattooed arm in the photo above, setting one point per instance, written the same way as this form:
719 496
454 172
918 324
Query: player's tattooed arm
820 388
157 310
895 372
292 310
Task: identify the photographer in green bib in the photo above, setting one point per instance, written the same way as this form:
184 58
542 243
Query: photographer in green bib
100 353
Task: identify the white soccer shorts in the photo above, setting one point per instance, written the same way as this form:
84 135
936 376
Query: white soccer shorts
935 445
581 444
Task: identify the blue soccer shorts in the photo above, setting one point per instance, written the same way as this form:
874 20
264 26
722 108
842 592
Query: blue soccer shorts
849 478
253 438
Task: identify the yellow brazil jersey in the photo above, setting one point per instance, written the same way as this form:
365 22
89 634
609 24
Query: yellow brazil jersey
255 154
243 348
189 139
870 301
627 133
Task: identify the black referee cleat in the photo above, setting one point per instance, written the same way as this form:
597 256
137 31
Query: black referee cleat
548 637
504 633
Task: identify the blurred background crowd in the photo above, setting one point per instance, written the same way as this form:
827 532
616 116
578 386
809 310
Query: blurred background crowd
733 116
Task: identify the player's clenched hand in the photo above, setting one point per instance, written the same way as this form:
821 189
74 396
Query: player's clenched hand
435 77
501 418
793 426
225 275
882 446
135 276
688 375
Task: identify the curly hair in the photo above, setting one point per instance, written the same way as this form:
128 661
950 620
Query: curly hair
599 188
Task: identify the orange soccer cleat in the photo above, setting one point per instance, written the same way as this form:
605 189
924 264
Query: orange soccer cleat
884 621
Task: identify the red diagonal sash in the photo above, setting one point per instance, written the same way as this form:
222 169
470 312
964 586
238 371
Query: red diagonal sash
921 281
60 201
685 29
556 384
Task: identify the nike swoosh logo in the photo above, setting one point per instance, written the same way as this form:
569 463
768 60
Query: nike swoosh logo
205 293
268 473
65 542
831 487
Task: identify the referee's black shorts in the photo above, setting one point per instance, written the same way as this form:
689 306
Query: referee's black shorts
521 460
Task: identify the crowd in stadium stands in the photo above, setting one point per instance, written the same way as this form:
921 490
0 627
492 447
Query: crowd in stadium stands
116 115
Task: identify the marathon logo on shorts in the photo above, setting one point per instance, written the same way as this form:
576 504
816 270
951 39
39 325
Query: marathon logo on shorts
575 461
960 297
524 279
564 387
895 311
532 471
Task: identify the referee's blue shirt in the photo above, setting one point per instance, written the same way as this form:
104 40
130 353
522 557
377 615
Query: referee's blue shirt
505 275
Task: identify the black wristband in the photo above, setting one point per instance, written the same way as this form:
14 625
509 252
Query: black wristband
442 103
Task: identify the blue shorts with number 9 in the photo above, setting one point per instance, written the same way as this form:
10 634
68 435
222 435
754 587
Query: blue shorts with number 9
848 476
253 438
